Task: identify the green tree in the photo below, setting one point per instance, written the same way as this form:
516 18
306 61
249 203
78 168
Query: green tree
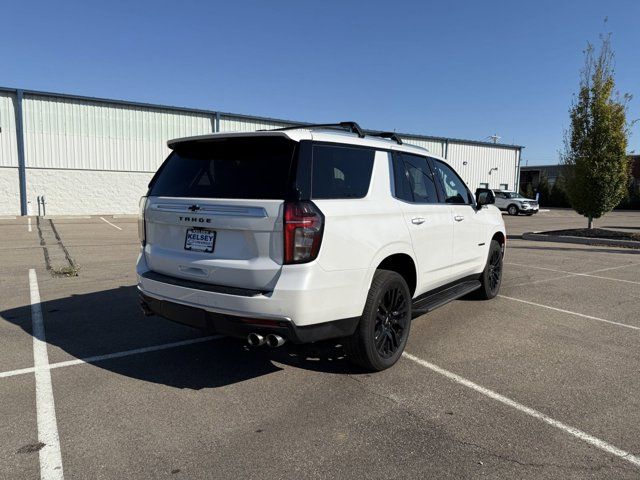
543 189
599 170
558 195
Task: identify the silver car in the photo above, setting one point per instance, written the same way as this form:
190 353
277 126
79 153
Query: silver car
514 203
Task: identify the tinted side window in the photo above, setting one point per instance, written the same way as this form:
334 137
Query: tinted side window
414 180
341 172
455 191
401 183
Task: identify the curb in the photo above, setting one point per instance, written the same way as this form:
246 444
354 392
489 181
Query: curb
541 237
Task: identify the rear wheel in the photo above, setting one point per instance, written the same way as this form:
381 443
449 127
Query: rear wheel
384 326
512 210
491 277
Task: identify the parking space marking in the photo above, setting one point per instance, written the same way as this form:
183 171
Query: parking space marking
29 223
50 456
114 226
585 437
574 274
109 356
633 327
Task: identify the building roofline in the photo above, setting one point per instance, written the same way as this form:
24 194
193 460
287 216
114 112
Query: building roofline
237 115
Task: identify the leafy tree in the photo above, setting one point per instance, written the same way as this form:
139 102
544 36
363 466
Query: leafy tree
558 195
599 170
528 191
543 189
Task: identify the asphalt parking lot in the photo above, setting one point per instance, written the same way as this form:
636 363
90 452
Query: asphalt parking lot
542 382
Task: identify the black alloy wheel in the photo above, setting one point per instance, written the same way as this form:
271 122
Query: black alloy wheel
383 330
491 277
391 321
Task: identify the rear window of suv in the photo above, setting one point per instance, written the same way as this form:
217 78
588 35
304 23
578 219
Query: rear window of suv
341 172
253 168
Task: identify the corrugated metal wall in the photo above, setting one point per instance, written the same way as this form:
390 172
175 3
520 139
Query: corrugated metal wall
121 144
8 143
77 134
480 162
436 147
230 123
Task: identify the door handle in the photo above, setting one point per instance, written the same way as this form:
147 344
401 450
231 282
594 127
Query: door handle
458 218
418 220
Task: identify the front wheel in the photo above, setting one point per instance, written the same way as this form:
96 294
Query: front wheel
491 276
512 210
384 326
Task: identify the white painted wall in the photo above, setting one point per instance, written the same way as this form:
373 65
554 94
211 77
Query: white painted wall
90 135
86 192
480 162
8 143
9 191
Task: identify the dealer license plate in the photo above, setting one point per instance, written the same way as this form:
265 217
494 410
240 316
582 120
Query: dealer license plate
200 240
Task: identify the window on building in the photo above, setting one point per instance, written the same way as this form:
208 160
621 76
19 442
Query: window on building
484 185
455 191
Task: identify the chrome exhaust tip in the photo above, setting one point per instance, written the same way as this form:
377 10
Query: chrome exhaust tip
255 339
275 340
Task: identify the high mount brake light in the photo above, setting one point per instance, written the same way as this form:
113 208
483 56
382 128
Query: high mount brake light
303 227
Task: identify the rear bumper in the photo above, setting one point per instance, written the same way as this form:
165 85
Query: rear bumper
305 296
237 326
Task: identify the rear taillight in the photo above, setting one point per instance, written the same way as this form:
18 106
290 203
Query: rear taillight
142 227
303 225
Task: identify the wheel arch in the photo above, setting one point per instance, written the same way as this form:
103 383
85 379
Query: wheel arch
501 238
404 265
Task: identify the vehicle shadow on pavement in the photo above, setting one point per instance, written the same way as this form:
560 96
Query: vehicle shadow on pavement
110 321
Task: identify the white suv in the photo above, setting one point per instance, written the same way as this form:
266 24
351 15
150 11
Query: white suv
513 203
310 233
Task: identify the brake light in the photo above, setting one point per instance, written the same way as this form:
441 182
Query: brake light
142 227
303 226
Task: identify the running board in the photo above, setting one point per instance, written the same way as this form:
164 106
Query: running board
425 304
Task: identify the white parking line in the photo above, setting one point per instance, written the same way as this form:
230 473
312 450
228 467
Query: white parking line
114 226
50 457
573 274
29 223
108 356
585 437
633 327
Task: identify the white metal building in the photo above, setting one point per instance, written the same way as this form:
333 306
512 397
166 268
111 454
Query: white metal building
96 156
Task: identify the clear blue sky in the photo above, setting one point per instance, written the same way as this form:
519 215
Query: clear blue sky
458 69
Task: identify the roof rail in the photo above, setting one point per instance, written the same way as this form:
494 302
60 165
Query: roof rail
390 135
352 127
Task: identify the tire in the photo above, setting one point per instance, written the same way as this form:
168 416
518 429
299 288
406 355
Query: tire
512 209
491 277
381 336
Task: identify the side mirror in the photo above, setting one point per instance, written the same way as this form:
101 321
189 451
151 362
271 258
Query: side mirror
485 196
